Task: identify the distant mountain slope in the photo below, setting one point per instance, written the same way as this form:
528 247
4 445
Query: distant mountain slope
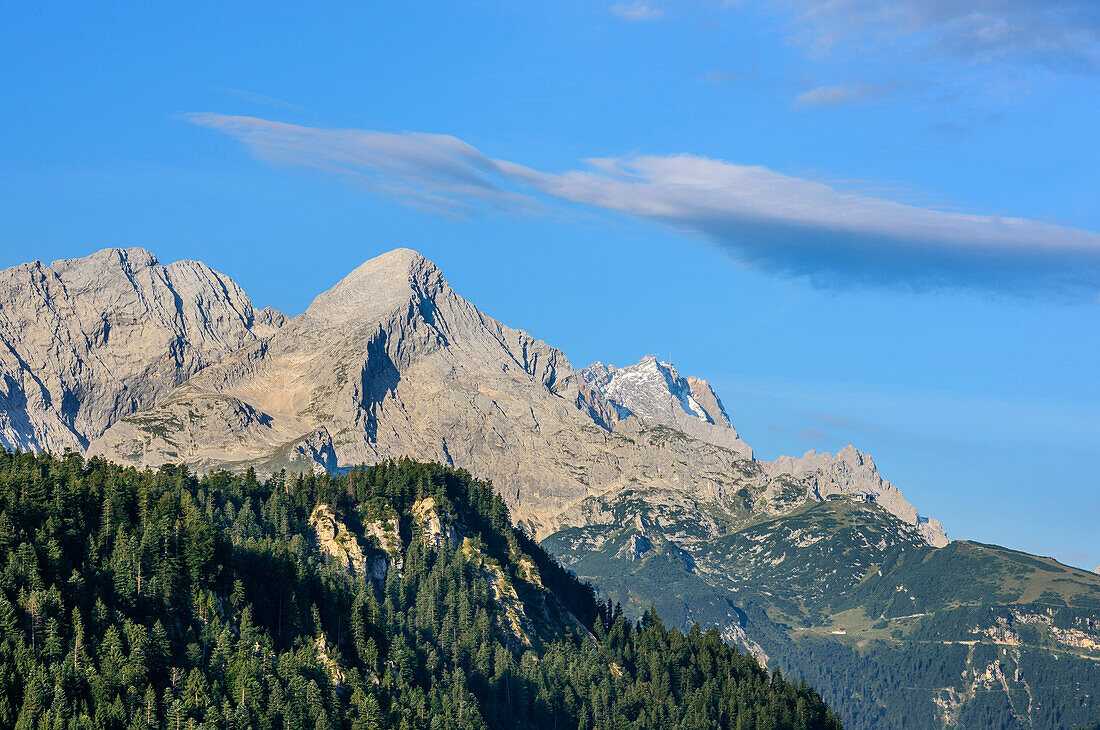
893 632
398 596
84 342
853 473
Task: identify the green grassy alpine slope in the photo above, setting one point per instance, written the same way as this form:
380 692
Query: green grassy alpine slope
892 632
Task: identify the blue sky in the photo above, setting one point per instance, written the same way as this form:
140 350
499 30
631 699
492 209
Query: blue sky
864 221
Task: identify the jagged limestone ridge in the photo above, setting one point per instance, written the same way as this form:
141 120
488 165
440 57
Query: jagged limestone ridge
392 362
653 391
85 342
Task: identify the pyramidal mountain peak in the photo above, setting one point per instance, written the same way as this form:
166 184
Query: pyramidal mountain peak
389 362
378 286
155 364
392 362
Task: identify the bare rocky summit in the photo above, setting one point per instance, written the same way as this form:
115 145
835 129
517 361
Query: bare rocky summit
118 355
85 342
392 362
853 473
656 393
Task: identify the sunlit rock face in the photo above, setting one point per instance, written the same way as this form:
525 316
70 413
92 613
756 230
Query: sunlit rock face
118 355
656 393
85 342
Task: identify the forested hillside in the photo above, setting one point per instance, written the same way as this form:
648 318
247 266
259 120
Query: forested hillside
393 596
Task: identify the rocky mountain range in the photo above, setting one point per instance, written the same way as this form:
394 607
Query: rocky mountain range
86 342
392 362
635 476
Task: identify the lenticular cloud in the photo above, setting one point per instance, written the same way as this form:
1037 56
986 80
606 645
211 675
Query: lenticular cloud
778 223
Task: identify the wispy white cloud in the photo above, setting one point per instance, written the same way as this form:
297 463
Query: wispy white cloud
1061 34
254 98
801 227
822 96
436 172
637 11
778 223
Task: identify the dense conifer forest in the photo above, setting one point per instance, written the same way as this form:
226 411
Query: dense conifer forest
140 600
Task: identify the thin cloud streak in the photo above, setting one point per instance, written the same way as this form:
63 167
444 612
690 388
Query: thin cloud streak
824 96
637 11
1063 35
434 172
803 228
777 223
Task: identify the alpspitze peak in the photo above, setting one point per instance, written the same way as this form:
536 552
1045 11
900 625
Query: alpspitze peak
379 285
393 268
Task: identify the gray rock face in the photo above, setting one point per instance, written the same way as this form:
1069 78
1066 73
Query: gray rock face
267 320
656 393
392 362
389 362
853 473
84 342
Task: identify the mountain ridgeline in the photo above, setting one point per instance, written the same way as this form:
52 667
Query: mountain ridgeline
398 595
634 477
893 632
89 341
392 362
